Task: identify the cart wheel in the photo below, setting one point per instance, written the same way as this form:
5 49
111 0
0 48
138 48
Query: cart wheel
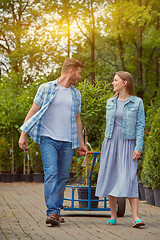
121 206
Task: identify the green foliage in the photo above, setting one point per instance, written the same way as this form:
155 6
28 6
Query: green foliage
5 156
151 165
36 37
139 165
15 101
35 158
150 116
93 109
78 166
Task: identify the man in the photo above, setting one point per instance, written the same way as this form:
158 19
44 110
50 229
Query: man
54 122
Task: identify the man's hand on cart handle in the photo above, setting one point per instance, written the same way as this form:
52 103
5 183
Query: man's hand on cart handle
83 151
88 152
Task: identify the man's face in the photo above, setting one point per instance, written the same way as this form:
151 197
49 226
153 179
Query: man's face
75 76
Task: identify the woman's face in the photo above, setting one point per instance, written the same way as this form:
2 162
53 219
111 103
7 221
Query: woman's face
118 84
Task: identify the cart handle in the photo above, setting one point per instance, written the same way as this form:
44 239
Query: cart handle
91 152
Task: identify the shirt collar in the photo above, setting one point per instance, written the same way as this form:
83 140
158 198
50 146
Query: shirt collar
56 83
131 99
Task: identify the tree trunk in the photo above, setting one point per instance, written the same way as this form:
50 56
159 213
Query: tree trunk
24 163
157 71
68 33
121 53
92 45
156 76
120 43
139 59
12 163
86 157
28 164
0 69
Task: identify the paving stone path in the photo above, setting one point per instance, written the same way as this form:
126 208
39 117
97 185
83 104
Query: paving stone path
22 216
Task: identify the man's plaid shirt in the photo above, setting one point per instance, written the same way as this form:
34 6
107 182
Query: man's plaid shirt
43 98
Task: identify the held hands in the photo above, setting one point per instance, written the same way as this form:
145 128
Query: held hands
23 142
136 155
82 151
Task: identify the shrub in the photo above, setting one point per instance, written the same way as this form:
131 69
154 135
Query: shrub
5 157
150 115
93 109
151 165
35 156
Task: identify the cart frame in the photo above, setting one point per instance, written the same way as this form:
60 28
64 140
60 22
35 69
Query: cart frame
89 200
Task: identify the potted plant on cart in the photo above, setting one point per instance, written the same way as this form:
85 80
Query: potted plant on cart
93 112
93 118
83 189
93 115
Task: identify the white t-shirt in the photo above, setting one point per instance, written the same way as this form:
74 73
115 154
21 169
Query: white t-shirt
57 122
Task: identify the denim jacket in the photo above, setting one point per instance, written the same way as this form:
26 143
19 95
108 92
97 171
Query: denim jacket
133 120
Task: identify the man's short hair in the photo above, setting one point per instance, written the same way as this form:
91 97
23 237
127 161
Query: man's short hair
71 63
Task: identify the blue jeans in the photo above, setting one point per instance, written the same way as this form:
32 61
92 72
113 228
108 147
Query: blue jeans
56 158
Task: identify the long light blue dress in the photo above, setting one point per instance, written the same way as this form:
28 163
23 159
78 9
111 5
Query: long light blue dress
118 172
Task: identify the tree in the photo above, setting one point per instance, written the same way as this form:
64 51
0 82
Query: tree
86 22
129 27
36 36
15 101
25 41
93 113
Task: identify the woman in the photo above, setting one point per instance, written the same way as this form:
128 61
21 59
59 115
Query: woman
122 147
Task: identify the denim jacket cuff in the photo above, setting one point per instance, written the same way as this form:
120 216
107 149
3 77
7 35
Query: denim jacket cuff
137 148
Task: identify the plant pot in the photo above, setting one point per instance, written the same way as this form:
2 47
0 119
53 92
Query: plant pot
22 177
16 177
38 177
157 197
83 194
28 178
1 177
149 196
142 195
7 177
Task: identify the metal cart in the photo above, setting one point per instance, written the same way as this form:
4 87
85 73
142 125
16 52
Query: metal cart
121 203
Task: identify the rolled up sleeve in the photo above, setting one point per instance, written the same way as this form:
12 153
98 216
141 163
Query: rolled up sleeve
140 124
39 96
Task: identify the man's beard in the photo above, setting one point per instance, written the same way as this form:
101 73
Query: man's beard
74 80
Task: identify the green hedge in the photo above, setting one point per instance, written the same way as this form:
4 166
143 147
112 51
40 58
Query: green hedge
151 164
